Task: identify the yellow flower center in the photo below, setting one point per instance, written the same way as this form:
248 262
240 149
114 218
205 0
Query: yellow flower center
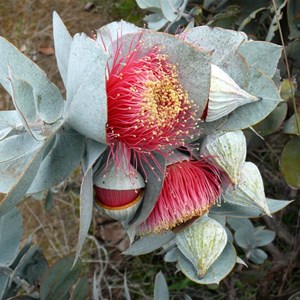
164 97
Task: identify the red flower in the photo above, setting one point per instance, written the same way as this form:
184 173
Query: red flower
190 188
148 110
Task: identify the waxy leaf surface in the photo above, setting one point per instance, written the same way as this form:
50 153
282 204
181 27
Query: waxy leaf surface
86 107
93 151
58 280
149 243
62 45
239 211
10 236
223 45
46 96
63 157
161 291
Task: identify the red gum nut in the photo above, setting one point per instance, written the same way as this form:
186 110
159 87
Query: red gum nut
116 198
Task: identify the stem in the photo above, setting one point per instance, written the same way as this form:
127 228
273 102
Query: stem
287 69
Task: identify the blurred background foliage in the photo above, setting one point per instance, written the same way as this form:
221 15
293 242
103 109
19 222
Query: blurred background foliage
51 219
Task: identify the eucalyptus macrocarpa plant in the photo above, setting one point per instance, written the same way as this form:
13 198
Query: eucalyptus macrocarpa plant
156 122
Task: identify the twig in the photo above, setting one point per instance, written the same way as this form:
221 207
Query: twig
287 68
274 251
229 282
280 230
43 228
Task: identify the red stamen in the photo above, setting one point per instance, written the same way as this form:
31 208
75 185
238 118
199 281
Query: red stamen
148 110
189 190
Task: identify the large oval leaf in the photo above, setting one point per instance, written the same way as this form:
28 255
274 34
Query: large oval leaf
273 121
154 178
3 283
223 45
9 122
161 291
81 290
58 280
64 156
23 178
46 96
10 236
62 45
32 119
149 243
111 32
239 211
261 55
290 162
31 267
249 114
16 152
93 151
86 107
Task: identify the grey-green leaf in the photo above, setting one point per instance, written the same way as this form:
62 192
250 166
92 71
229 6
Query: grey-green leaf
62 45
161 291
23 97
223 45
93 151
64 156
86 109
236 224
149 243
81 290
31 267
3 283
290 126
258 256
111 32
273 121
261 55
171 8
23 178
16 152
155 21
171 255
58 280
245 238
264 237
10 236
47 98
239 211
152 189
249 114
9 119
21 253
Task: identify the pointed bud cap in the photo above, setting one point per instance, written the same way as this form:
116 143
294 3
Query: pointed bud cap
228 151
225 95
250 189
202 243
